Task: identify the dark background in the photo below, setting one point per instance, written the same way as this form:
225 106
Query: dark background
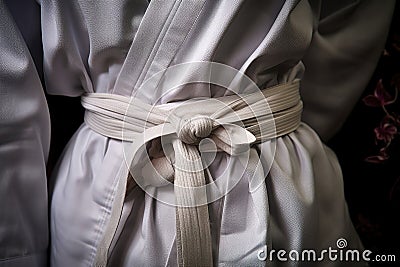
373 189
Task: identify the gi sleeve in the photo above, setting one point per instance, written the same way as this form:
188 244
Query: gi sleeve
348 39
24 144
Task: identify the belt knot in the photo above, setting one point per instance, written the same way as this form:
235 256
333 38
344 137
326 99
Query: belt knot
192 130
233 123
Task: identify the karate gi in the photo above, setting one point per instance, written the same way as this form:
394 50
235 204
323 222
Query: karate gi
116 46
24 139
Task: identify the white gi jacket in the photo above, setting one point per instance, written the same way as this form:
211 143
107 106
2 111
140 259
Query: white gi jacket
24 140
114 47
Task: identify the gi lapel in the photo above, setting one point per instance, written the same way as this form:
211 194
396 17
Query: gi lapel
161 33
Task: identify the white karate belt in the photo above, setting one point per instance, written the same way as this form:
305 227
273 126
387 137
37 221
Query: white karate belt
127 119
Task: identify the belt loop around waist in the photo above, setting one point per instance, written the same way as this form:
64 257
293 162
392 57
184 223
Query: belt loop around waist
274 112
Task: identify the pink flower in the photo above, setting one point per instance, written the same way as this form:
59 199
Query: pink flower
385 131
380 97
381 157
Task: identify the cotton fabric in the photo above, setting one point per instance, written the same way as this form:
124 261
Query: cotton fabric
24 142
115 46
